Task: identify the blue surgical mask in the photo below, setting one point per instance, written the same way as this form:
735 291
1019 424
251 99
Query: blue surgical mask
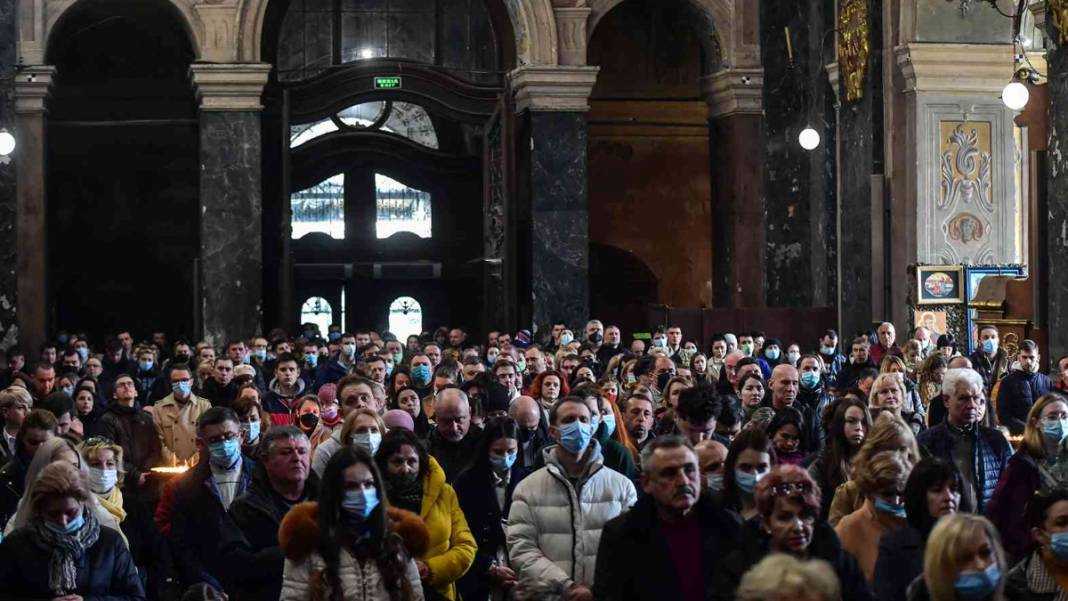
714 482
894 509
1055 429
145 365
182 389
225 453
311 360
68 390
252 431
609 424
772 353
660 342
989 346
503 463
83 352
575 436
260 354
1058 543
368 441
421 375
566 339
72 526
810 380
974 584
358 504
746 482
332 336
348 349
389 369
491 359
246 359
827 350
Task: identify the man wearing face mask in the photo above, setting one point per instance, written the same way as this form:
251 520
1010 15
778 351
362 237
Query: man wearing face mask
747 344
309 363
833 361
812 394
674 516
175 417
451 442
148 378
1021 388
340 365
711 457
989 359
546 541
422 374
533 430
193 510
594 335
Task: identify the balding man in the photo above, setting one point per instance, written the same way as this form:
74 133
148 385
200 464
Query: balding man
533 429
728 378
785 383
451 441
711 457
887 343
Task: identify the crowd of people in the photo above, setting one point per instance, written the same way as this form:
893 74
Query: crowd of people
571 466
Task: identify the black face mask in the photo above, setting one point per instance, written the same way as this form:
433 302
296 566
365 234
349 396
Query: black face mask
596 337
181 358
662 380
308 421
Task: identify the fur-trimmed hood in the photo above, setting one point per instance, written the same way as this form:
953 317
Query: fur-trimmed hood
299 533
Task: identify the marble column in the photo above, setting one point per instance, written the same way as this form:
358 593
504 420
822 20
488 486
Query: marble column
231 199
555 100
8 248
736 134
1056 175
32 87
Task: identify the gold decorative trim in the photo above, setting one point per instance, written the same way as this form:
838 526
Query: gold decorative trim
1058 9
854 45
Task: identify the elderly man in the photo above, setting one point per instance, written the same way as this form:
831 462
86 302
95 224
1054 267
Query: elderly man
785 382
451 441
711 457
548 543
887 344
533 430
980 453
672 516
728 376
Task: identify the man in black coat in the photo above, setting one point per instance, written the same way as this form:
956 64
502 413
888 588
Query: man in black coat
1021 388
668 545
128 426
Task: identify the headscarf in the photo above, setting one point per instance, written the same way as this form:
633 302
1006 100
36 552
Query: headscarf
66 550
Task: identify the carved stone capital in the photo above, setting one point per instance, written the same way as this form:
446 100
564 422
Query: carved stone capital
559 88
734 92
220 19
571 29
32 87
980 69
229 87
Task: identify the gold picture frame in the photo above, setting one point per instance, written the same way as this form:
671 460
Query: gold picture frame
939 284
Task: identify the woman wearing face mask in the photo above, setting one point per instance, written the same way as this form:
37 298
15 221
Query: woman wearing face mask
485 494
611 426
888 433
850 423
104 459
254 420
963 561
749 459
932 491
306 417
793 353
414 481
351 544
1039 576
63 552
883 487
785 433
363 428
772 352
788 503
1032 467
407 399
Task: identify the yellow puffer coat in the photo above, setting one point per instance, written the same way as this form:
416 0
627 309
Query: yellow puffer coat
452 546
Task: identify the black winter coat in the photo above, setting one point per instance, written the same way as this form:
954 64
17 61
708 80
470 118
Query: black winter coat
900 562
1019 390
1018 587
12 486
132 429
753 546
633 559
106 571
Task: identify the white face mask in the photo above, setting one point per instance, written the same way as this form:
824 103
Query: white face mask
102 480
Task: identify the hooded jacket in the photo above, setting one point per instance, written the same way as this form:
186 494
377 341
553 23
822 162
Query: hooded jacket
554 526
299 538
280 405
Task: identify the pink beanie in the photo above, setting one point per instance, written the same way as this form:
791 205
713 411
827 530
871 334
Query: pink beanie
327 393
396 418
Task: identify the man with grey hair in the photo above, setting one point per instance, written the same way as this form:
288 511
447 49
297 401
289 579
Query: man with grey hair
15 402
980 453
533 429
673 515
250 549
451 441
594 335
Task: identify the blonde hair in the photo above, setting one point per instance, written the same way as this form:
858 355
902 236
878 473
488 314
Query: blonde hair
15 394
886 470
780 575
888 433
1033 441
350 423
899 380
92 447
58 479
949 546
888 360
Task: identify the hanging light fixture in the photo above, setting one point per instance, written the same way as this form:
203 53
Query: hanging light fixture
809 138
7 142
1015 94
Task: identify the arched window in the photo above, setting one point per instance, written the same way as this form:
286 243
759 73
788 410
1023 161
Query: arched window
400 209
402 119
318 311
320 208
405 317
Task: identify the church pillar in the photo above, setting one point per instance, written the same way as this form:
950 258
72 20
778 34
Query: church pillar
552 103
8 248
1057 193
32 87
231 204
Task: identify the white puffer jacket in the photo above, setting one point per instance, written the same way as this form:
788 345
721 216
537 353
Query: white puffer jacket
360 583
554 530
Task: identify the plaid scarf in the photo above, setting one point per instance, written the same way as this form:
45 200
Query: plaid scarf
66 550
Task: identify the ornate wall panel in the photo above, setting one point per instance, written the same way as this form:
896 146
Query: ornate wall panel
968 205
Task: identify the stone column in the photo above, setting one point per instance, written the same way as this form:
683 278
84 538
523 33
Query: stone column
555 101
736 134
8 248
231 199
32 87
1057 193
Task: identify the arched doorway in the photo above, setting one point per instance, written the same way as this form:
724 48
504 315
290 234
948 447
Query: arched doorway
378 112
122 169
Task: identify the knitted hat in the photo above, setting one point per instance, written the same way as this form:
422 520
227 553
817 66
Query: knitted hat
328 393
396 418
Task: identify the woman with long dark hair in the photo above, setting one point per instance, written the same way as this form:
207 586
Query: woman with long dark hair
349 545
850 424
749 459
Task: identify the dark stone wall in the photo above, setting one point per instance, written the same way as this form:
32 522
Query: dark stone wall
1057 201
560 288
860 133
8 279
231 255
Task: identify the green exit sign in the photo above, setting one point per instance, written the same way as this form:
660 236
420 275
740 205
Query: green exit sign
388 83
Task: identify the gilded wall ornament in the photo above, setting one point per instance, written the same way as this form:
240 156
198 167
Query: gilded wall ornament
1059 10
854 46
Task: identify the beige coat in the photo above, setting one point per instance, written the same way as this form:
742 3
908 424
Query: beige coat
176 426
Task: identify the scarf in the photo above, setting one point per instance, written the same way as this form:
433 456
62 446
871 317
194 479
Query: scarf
405 492
66 550
112 502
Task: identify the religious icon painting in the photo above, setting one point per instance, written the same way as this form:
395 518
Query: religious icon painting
939 284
